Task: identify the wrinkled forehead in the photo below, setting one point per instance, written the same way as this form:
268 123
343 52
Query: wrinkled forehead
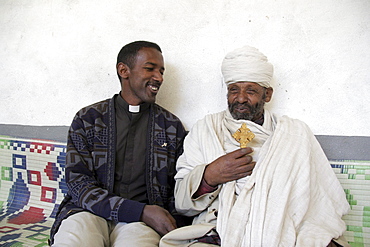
245 84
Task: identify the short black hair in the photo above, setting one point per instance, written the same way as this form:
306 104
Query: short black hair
127 54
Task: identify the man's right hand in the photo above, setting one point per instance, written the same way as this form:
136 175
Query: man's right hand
158 218
229 167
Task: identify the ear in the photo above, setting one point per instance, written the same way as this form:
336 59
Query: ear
269 92
123 70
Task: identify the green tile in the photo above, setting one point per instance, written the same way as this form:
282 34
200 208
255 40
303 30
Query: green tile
366 219
366 224
366 213
366 208
18 244
352 202
356 244
358 239
42 244
6 173
358 234
354 228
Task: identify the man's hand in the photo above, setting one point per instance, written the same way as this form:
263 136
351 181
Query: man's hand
159 219
229 167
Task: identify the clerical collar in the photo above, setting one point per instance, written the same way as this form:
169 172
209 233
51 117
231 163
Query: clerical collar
134 108
131 108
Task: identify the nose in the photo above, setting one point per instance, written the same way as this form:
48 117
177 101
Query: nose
158 76
242 97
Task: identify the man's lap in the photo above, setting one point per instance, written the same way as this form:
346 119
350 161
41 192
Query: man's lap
86 229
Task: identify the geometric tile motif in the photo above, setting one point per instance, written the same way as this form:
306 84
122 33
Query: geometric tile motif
52 171
34 177
32 185
354 177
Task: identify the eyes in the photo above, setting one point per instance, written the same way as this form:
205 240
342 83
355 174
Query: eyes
151 69
249 91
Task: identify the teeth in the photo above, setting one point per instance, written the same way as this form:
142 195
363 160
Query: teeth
154 88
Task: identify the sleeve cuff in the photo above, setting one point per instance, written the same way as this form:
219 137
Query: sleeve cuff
204 188
130 211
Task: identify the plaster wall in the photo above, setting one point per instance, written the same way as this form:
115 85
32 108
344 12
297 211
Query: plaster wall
59 56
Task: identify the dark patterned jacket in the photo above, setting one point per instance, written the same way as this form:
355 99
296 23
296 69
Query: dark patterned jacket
90 163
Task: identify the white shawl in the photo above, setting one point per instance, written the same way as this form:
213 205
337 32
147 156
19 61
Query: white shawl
292 198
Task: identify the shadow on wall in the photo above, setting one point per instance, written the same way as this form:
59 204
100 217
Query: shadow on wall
170 95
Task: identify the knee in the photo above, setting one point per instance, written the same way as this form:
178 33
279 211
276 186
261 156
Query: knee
82 229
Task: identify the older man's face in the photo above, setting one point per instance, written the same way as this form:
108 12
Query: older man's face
246 100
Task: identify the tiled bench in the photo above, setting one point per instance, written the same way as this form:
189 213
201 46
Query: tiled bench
354 176
32 185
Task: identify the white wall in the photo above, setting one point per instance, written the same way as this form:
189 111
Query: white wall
58 56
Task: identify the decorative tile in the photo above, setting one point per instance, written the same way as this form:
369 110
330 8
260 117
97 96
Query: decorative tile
32 185
351 175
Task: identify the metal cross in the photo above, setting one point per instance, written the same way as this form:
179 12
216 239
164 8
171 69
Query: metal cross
243 135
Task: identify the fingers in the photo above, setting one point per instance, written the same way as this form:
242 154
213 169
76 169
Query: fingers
171 222
241 152
159 219
236 158
231 166
244 160
168 224
243 171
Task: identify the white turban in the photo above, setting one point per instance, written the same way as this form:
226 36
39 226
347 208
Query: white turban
247 64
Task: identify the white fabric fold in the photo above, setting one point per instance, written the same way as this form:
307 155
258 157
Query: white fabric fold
292 198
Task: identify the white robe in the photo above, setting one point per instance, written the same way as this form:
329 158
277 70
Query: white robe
292 198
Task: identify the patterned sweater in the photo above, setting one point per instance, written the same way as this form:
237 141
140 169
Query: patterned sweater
90 164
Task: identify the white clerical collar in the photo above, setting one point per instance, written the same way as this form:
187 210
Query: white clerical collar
134 108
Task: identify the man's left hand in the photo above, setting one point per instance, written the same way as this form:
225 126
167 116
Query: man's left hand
159 219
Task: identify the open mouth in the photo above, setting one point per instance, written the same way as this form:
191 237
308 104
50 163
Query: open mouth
153 87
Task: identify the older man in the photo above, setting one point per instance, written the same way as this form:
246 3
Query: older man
252 178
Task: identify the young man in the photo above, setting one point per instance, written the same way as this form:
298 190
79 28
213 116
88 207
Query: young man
120 162
252 178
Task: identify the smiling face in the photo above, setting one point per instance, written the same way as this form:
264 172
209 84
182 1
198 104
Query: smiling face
247 99
142 81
